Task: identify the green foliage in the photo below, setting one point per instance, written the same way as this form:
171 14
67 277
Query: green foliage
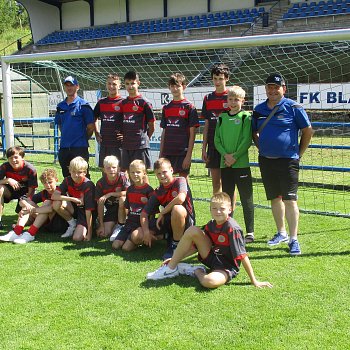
12 15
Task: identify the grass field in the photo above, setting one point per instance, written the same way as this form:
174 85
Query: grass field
57 294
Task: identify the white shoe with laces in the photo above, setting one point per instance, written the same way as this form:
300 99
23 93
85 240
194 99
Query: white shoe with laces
188 269
9 237
163 272
24 238
69 232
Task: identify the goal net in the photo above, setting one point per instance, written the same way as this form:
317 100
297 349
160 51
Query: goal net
315 66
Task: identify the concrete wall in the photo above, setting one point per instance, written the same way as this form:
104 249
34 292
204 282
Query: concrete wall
185 7
109 11
75 15
140 10
227 5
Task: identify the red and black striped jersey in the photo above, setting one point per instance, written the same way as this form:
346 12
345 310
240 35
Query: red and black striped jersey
213 105
42 196
104 186
136 199
84 190
109 111
228 242
26 175
177 119
163 195
137 113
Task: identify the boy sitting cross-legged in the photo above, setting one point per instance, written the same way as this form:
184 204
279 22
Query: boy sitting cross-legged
74 200
110 195
42 216
174 195
220 247
137 195
17 178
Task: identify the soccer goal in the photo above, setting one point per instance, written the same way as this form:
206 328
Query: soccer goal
314 64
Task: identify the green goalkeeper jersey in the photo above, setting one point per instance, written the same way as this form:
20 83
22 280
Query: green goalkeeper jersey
233 135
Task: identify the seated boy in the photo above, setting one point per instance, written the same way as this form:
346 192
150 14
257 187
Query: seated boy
110 195
17 178
74 200
42 216
174 195
220 247
179 123
137 195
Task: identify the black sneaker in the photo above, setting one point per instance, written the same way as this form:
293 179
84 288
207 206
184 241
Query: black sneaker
170 251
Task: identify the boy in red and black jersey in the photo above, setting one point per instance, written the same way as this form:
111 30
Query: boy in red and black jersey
108 111
17 178
174 195
137 195
220 247
75 201
138 123
110 196
43 216
179 123
213 105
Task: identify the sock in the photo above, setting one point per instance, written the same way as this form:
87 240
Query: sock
18 229
283 233
33 230
250 234
72 222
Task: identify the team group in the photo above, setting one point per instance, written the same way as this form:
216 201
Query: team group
129 211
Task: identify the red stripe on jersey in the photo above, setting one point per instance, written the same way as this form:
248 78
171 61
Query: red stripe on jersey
220 104
176 111
137 197
110 107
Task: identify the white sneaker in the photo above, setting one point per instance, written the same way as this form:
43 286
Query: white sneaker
24 238
188 269
69 232
9 237
116 230
163 272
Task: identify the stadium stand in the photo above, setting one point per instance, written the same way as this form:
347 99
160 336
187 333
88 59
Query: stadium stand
192 22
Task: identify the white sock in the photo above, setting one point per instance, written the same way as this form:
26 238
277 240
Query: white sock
72 222
283 233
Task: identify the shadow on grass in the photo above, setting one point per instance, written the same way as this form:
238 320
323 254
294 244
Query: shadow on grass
307 255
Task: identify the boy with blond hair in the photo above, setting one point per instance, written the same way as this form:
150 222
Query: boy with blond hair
41 217
220 248
110 196
108 111
179 123
18 178
233 137
74 200
137 196
138 123
177 213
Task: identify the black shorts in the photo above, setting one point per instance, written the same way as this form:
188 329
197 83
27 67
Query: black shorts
65 155
166 228
56 224
176 163
130 155
111 213
126 231
214 262
80 216
108 151
214 158
15 194
280 177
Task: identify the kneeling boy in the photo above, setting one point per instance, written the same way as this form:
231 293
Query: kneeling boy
220 247
174 195
74 200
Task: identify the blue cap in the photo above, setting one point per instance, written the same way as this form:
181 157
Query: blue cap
276 79
71 80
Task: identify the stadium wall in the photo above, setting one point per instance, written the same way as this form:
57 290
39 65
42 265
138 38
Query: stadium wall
75 15
107 11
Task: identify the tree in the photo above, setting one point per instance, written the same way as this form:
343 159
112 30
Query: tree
12 15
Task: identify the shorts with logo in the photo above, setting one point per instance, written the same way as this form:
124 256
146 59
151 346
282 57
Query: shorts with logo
130 155
108 151
280 177
214 262
214 158
176 163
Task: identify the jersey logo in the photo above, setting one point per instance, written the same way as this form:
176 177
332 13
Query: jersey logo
221 239
117 108
237 121
144 199
182 112
174 194
135 108
225 105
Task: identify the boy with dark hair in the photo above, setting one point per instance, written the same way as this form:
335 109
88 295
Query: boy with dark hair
108 111
220 247
233 138
110 196
138 123
177 214
74 200
17 178
42 216
179 123
137 195
213 105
